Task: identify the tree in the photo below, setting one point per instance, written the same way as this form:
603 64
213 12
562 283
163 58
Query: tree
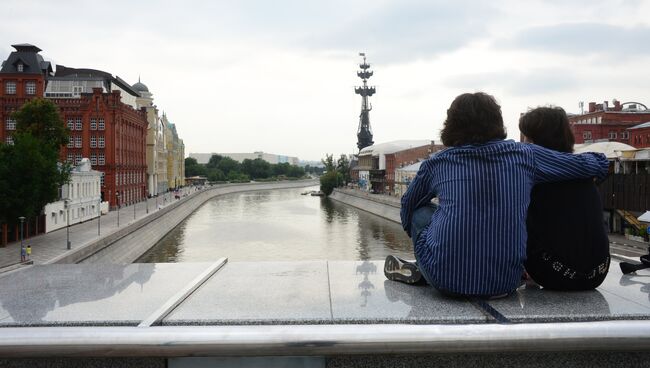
329 181
328 161
256 169
193 168
227 164
30 174
213 163
40 118
343 167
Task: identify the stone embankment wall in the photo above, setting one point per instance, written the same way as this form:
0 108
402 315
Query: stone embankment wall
384 206
129 243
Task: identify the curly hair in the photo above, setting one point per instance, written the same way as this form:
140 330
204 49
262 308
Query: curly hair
473 118
548 127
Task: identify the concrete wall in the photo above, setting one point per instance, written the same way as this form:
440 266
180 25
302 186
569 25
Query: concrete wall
129 243
387 208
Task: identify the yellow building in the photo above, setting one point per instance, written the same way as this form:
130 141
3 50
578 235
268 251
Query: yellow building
175 155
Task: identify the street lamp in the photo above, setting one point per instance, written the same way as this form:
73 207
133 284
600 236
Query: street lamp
22 221
135 203
99 216
117 199
66 204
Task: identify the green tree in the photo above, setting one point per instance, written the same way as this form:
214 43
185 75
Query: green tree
227 164
29 177
215 175
328 161
343 167
256 169
329 181
40 118
193 168
213 163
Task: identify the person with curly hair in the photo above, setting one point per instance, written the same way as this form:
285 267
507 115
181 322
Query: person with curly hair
568 248
473 243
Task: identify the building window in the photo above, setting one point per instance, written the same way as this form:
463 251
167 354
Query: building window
70 143
77 160
101 161
586 134
93 142
93 124
93 159
625 135
77 124
70 124
10 88
30 88
20 67
10 124
9 140
78 141
612 135
101 142
101 179
101 124
70 157
600 120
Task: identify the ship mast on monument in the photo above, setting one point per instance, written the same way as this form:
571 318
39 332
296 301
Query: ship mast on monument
364 133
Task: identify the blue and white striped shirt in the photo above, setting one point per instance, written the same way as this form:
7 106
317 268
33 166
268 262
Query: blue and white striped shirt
476 241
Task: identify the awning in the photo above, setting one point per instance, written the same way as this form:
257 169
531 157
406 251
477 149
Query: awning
645 217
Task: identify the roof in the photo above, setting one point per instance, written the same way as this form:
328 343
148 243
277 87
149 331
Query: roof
608 148
27 55
393 146
140 87
84 73
644 125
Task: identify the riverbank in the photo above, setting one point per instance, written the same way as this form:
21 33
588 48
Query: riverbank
377 204
92 236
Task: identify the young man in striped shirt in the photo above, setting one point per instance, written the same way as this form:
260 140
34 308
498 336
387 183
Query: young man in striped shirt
474 242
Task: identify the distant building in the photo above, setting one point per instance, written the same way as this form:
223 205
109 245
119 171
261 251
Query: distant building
156 152
603 122
175 155
640 135
83 193
204 158
378 163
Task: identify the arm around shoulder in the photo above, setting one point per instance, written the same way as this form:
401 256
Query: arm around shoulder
552 165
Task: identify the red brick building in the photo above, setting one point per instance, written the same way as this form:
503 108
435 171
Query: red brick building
98 108
640 135
406 157
609 123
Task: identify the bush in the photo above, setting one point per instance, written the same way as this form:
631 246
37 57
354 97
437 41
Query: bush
330 181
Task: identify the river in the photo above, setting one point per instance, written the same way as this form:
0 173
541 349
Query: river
280 225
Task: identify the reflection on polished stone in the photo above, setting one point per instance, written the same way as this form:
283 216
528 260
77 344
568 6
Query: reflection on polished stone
90 294
259 293
361 294
612 300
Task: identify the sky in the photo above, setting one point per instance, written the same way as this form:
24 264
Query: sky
279 76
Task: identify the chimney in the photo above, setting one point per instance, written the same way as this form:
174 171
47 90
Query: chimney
592 107
599 107
617 105
605 105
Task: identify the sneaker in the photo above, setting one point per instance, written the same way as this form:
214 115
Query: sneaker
397 269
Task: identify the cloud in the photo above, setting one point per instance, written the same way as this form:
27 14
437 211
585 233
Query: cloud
404 31
539 81
583 39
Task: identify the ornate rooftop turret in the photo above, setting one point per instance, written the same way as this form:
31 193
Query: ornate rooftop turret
364 133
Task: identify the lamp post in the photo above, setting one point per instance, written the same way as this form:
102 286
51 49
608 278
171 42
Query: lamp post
22 221
99 216
117 199
66 204
135 203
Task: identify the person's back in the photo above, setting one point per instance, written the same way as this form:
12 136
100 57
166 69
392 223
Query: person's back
567 248
474 243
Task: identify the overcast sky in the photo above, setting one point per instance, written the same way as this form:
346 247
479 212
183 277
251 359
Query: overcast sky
278 76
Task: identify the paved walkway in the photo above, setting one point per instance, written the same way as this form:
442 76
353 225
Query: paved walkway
48 246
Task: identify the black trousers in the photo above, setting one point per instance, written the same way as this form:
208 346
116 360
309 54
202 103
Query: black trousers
553 274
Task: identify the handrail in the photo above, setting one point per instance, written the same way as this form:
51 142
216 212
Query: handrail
322 340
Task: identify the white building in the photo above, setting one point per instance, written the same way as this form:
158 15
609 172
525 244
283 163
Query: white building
83 196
